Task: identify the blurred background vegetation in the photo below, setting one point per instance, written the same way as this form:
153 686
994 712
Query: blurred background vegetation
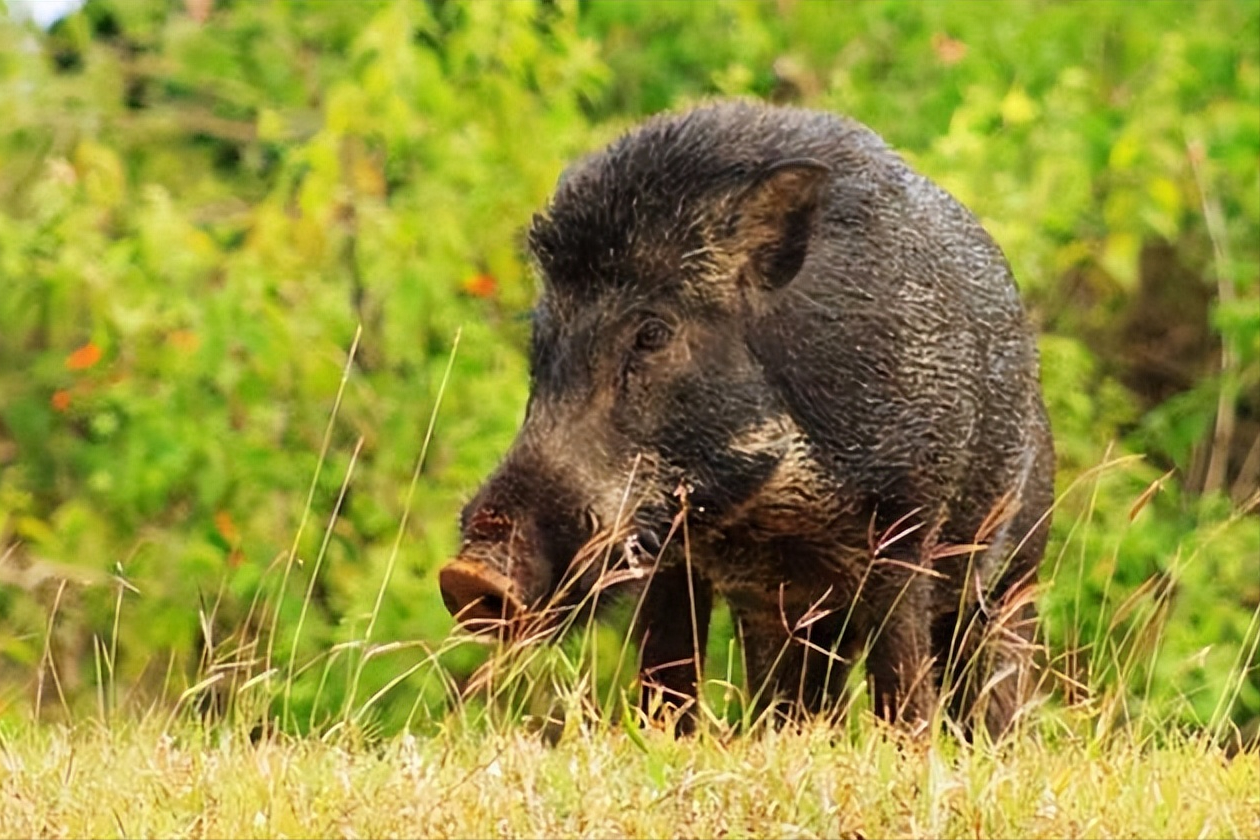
202 201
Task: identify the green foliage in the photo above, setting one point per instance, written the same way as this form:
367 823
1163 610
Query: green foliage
198 218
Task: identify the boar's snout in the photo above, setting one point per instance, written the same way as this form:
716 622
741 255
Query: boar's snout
477 596
519 536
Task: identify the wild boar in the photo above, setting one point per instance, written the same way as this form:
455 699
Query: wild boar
772 362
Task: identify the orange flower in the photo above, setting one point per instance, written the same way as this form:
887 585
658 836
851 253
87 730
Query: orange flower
226 527
948 50
61 401
83 358
481 285
185 340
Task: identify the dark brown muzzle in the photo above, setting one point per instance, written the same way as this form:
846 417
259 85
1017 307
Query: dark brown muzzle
479 597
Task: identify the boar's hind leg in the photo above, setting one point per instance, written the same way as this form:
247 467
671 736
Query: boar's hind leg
987 655
987 658
899 665
671 647
988 671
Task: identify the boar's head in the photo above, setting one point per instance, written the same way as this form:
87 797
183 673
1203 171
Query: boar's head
659 257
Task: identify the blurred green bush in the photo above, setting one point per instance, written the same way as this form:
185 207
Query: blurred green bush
200 204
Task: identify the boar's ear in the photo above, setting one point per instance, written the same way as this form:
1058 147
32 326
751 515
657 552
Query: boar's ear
774 218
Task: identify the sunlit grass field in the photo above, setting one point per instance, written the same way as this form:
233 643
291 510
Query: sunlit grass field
148 780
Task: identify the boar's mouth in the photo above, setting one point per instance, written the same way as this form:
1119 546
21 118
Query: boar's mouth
480 598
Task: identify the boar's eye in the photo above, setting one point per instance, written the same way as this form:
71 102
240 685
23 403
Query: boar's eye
653 335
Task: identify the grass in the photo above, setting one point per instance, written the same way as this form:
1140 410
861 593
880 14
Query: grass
142 779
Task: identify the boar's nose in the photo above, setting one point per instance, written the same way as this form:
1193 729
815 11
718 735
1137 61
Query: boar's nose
477 595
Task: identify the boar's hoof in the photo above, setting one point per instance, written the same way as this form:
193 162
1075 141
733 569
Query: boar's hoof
479 597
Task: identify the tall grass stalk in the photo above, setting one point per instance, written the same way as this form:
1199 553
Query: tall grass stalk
402 527
291 556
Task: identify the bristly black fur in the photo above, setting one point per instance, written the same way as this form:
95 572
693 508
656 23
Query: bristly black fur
634 213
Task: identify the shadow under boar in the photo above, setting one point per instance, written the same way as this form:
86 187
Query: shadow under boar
772 362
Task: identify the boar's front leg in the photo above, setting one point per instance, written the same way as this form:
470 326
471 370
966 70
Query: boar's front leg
791 674
673 629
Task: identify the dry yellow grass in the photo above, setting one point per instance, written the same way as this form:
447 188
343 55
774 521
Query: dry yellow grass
136 780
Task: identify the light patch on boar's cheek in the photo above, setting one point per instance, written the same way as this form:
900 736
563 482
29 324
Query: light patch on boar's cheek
723 470
798 496
773 435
